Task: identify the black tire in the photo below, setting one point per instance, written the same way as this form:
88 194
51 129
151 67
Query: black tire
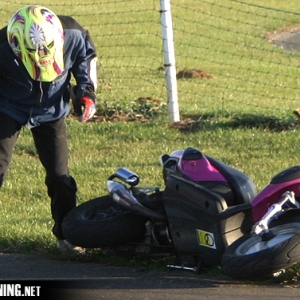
100 222
251 258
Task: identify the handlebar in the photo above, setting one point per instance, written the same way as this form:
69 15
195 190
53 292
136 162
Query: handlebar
287 199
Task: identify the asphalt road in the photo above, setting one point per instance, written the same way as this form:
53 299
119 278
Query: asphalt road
94 280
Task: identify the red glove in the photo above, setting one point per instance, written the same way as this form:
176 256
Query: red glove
89 109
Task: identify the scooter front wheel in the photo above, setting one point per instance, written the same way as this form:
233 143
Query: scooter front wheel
254 257
101 222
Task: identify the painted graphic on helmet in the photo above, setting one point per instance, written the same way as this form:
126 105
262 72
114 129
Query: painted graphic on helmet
36 36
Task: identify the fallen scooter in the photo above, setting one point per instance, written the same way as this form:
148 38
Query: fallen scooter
208 214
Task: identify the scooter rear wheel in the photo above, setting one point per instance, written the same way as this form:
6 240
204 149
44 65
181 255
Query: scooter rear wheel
251 257
101 222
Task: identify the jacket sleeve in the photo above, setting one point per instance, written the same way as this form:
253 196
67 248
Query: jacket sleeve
70 23
3 39
3 35
84 68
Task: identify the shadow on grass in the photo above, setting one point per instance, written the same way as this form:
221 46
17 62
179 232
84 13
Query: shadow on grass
210 121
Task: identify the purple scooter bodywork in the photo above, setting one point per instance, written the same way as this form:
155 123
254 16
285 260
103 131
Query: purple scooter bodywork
197 169
201 170
219 200
272 193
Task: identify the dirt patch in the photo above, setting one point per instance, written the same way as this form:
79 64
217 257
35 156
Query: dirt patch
143 109
189 73
193 73
188 124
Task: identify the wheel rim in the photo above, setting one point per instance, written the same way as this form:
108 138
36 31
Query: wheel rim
281 234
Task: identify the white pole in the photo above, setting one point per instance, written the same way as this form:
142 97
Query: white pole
169 57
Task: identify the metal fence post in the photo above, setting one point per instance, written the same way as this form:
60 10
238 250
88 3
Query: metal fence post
169 60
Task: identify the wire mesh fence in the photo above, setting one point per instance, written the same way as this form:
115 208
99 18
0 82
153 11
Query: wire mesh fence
231 56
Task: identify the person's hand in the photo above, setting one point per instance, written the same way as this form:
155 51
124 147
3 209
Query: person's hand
89 109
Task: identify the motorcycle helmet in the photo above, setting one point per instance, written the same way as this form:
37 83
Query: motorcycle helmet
35 35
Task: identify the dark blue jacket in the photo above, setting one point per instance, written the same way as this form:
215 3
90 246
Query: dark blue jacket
33 102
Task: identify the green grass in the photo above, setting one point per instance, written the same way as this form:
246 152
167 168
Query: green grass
246 108
98 149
